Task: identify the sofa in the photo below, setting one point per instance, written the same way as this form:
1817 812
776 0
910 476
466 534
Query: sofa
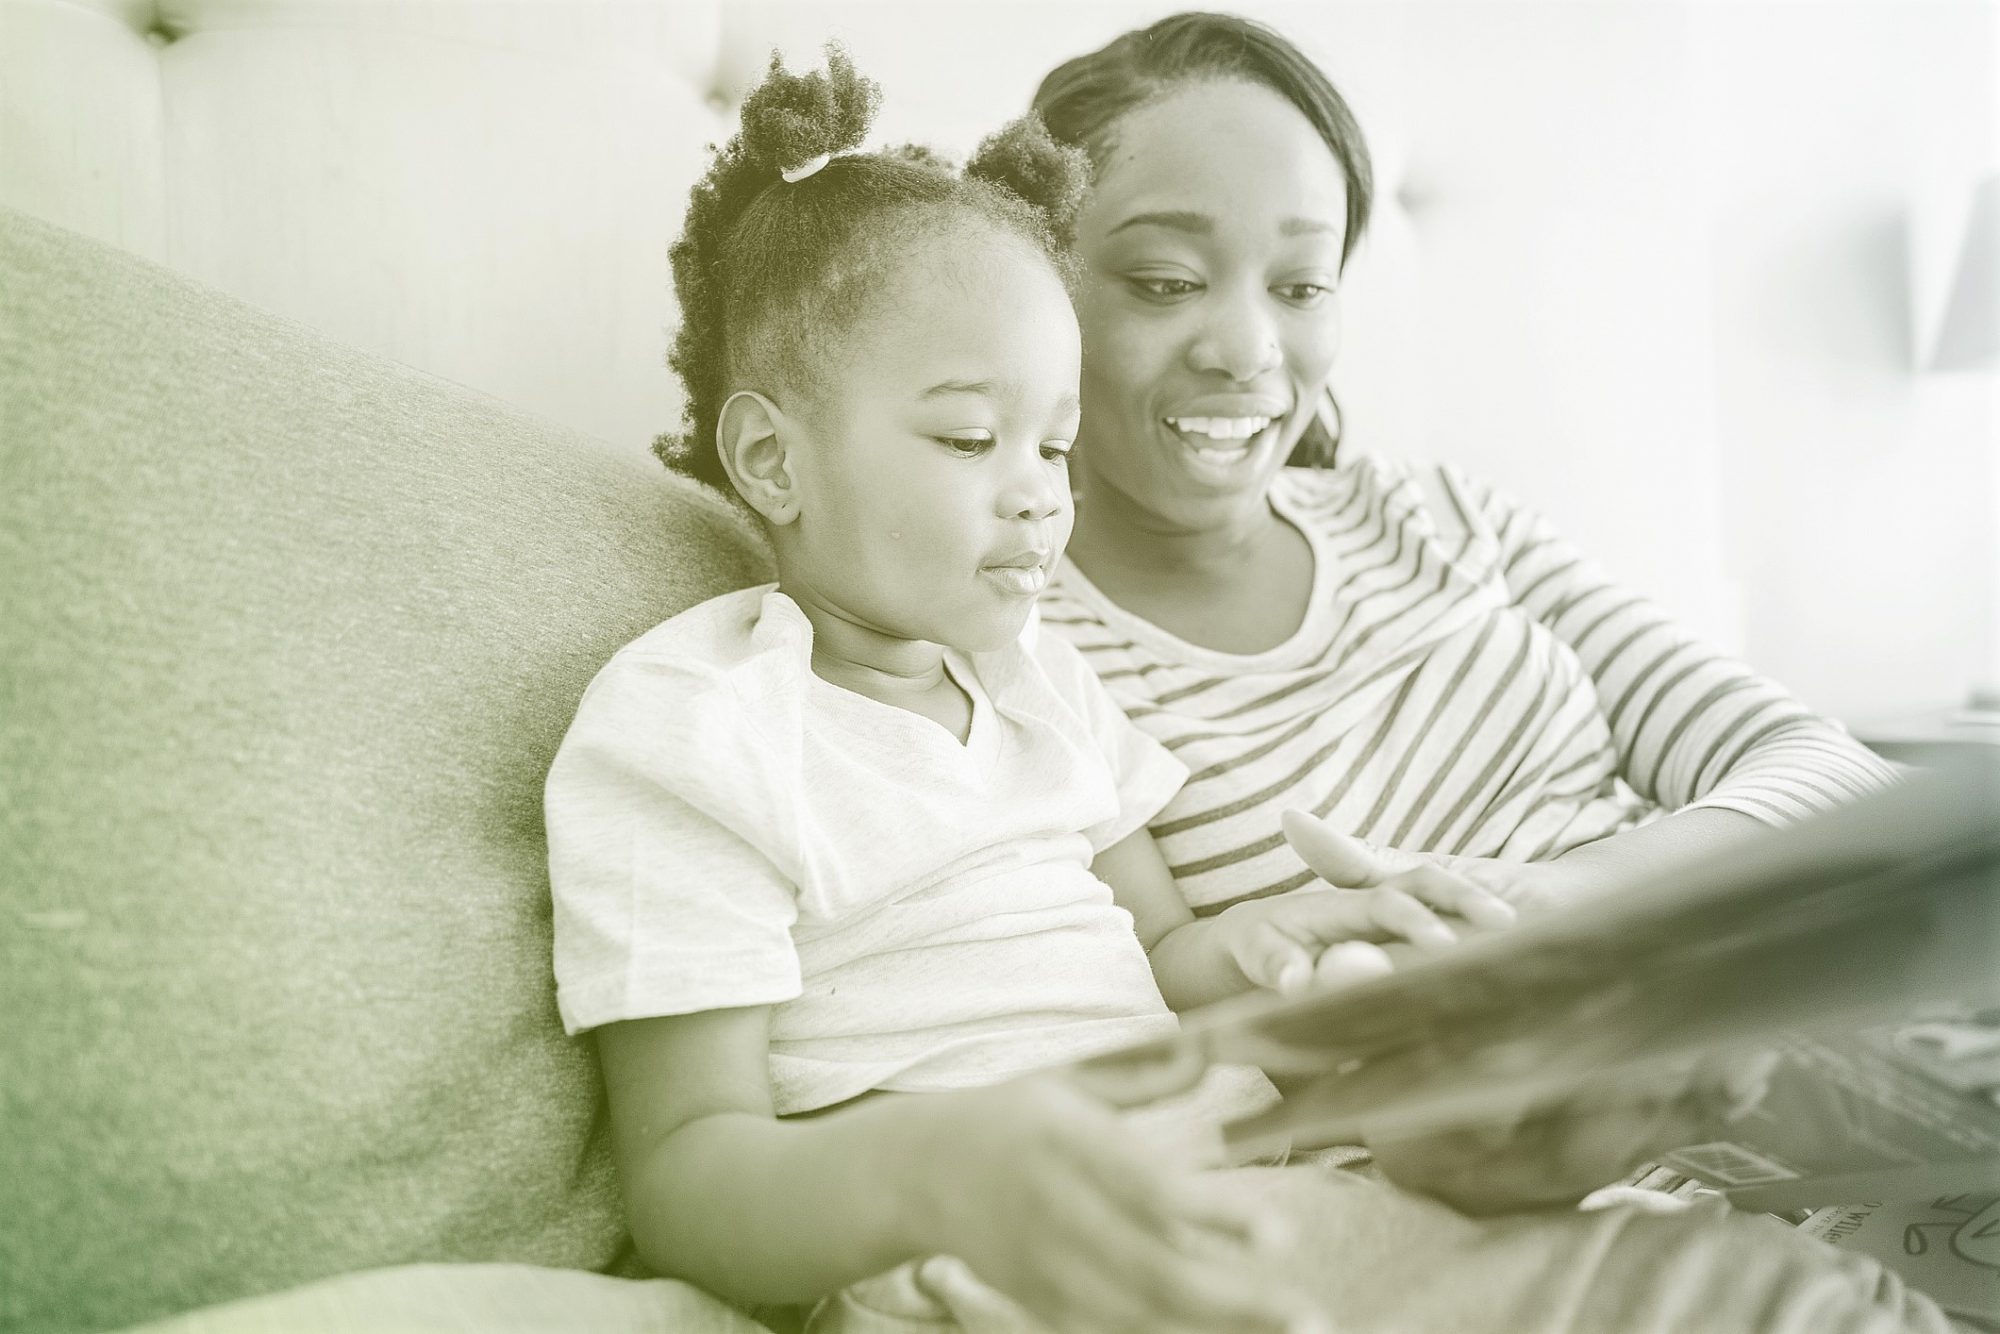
291 635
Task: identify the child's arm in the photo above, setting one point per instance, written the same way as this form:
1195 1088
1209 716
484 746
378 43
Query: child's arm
1034 1184
1286 941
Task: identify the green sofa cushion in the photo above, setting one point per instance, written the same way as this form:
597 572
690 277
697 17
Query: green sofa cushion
290 635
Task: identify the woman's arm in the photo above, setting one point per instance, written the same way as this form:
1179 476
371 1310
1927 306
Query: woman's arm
1725 750
1035 1184
1592 868
1691 726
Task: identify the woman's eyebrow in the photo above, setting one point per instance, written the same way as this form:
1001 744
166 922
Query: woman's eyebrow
1308 227
1200 224
1180 220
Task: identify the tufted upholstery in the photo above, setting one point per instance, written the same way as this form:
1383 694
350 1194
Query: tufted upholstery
405 177
486 191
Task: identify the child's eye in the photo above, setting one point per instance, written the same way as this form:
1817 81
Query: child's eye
968 446
1163 289
1057 451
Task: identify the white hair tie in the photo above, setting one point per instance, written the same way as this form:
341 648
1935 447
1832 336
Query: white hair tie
793 175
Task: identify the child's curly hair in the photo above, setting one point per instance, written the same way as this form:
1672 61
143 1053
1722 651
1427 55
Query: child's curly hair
768 271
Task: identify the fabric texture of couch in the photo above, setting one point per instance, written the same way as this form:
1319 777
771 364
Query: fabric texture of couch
291 634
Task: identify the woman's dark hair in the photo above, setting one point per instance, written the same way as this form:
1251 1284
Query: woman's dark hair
769 269
1082 100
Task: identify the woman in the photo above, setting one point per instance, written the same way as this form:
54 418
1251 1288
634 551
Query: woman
1403 652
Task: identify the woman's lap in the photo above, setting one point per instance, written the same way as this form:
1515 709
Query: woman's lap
1381 1259
1384 1259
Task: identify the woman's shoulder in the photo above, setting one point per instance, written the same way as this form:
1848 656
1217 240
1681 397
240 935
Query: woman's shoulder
1395 488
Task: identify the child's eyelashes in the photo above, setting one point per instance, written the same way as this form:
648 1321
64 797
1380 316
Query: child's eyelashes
973 444
968 445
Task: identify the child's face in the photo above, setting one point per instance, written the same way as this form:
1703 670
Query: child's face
934 482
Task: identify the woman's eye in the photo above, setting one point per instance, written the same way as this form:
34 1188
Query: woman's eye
966 446
1164 289
1304 294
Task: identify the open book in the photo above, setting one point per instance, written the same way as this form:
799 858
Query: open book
1863 944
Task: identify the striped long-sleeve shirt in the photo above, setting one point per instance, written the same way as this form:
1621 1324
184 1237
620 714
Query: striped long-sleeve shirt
1463 681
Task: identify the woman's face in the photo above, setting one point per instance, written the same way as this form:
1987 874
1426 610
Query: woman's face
1213 241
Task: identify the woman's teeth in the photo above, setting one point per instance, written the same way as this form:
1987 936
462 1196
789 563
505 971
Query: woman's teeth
1219 430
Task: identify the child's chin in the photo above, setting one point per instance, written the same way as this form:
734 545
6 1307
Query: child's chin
995 634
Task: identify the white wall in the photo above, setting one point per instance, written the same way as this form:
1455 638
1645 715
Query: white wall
1859 495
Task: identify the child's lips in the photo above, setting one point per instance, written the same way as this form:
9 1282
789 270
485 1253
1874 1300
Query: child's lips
1020 580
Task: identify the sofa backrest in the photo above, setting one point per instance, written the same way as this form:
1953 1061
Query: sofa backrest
290 636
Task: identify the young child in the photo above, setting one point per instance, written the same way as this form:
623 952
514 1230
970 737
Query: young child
855 832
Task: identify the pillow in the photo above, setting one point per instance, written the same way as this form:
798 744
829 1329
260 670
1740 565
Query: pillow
471 1299
290 636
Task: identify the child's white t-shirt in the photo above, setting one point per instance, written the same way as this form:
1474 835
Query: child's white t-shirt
727 829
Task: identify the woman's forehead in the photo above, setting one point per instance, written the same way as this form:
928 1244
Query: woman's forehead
1227 150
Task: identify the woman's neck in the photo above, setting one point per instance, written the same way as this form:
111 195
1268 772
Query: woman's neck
1117 540
1239 584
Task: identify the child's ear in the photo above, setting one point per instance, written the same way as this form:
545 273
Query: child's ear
752 447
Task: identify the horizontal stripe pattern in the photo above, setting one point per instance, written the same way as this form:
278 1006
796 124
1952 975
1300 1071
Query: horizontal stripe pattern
1464 681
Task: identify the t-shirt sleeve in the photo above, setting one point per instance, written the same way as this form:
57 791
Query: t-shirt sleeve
661 907
1693 727
1146 773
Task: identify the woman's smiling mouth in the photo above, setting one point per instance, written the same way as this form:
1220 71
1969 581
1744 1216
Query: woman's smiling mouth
1217 446
1222 430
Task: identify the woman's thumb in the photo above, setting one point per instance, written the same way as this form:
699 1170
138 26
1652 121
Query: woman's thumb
1335 857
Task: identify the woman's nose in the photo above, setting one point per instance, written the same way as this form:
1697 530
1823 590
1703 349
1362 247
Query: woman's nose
1239 337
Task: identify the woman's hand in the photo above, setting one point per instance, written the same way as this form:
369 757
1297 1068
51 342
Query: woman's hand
1324 937
1343 860
1048 1196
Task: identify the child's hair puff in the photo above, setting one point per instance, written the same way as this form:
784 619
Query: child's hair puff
768 271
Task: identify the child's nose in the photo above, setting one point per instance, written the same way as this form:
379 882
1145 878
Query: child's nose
1036 491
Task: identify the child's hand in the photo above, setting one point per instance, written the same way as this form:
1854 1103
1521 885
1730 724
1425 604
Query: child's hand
1040 1188
1322 937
